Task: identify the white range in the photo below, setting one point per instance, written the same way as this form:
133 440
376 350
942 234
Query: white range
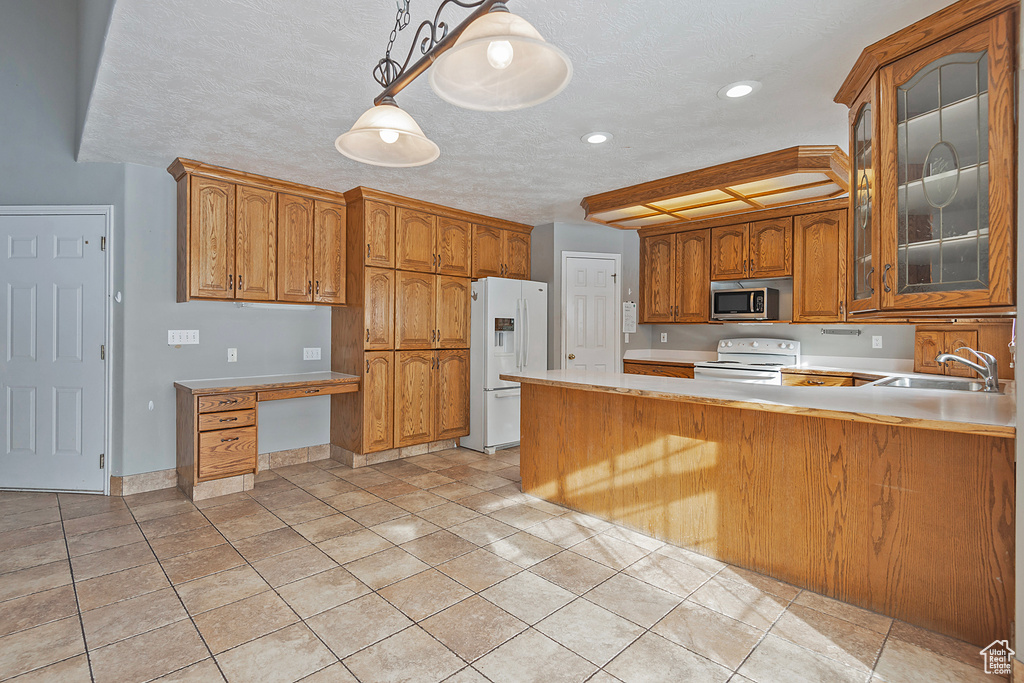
753 360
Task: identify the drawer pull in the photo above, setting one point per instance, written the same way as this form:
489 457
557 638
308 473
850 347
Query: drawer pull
229 419
815 381
230 401
234 438
312 391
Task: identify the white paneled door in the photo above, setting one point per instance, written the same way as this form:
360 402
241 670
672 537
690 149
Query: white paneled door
591 301
53 407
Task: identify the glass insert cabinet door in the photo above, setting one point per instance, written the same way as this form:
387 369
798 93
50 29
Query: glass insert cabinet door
951 149
864 291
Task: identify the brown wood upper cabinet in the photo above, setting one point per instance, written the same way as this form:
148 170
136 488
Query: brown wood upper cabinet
674 281
432 244
295 248
379 234
255 243
933 220
763 249
819 269
415 241
242 236
500 253
329 253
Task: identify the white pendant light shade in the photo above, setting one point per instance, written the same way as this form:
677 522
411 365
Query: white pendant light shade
500 63
387 136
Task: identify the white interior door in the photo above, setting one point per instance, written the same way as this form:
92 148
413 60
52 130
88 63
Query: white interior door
52 378
591 302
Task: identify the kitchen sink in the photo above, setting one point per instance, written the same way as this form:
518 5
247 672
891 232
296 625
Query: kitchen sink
944 384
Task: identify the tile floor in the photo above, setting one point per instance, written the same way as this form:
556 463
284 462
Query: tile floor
435 568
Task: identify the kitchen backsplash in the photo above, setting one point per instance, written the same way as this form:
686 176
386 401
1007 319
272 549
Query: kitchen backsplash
897 340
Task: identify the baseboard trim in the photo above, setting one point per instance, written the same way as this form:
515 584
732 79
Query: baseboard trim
355 460
168 479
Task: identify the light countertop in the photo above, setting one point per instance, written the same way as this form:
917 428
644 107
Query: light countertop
974 413
834 364
266 382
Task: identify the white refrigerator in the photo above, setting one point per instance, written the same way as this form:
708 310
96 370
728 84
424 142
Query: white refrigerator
509 322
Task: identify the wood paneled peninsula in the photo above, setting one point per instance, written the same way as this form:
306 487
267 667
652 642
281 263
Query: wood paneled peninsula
897 500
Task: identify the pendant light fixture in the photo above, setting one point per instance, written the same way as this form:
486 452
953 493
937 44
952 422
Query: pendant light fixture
493 61
500 63
387 136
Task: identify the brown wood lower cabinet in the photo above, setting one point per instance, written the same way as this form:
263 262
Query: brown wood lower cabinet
660 369
989 337
790 379
431 397
226 426
914 523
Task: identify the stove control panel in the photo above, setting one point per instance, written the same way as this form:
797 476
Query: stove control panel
787 347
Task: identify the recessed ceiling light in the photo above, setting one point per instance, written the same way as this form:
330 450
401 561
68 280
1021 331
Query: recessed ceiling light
596 138
738 89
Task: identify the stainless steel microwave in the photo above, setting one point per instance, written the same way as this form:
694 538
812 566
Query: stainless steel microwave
761 303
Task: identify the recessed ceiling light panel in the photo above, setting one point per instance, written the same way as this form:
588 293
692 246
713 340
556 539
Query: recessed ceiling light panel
597 137
739 89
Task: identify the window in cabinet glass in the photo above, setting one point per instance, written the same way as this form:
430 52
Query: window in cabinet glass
942 181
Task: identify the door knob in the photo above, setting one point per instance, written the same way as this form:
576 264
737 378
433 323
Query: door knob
572 356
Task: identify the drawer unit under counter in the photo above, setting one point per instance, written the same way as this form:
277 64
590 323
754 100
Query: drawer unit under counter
218 422
226 453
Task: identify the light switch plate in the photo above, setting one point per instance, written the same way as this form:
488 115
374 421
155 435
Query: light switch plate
180 337
311 354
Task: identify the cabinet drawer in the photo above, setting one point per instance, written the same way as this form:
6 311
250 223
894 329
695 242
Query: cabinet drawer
278 394
816 381
217 402
227 420
227 452
658 370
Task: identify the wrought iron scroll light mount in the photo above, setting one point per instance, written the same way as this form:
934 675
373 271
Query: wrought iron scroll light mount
432 37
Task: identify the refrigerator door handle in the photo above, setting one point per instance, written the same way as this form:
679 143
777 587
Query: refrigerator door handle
516 332
526 333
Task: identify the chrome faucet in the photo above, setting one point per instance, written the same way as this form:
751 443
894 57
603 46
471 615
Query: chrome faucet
988 368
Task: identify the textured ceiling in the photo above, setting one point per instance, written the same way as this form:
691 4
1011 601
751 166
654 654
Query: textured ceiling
267 85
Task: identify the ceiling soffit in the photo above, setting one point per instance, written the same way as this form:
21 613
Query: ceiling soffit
787 177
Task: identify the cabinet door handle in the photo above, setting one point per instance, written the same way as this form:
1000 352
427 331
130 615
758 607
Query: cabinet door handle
229 419
433 335
239 282
367 334
367 250
842 308
885 278
234 438
367 367
318 288
309 286
231 281
868 279
744 265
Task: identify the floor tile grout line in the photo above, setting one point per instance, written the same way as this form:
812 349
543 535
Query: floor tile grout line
765 635
74 587
180 601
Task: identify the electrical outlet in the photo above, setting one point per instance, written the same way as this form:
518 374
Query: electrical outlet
876 341
311 354
664 337
180 337
232 355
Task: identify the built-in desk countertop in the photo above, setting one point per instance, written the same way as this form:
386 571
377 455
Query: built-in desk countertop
274 387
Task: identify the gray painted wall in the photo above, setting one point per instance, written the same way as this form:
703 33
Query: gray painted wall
269 341
547 244
897 340
93 22
39 54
